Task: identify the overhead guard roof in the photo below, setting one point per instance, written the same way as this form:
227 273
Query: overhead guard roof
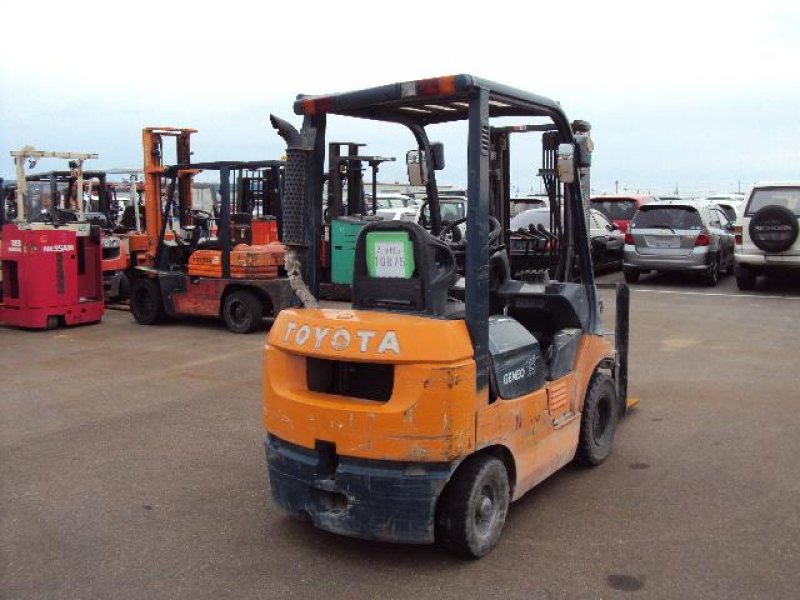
229 164
425 101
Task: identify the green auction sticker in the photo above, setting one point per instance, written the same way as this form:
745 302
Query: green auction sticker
390 254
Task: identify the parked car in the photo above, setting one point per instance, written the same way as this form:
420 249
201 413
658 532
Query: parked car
527 202
767 236
607 240
620 208
451 208
731 204
672 236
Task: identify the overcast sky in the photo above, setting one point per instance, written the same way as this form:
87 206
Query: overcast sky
700 94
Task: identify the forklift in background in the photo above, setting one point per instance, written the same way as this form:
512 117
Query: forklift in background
446 391
142 238
97 204
235 275
345 214
52 271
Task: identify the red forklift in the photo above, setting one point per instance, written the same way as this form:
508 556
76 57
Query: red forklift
222 263
52 271
98 202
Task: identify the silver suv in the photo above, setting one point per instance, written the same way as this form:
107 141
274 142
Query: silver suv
679 236
767 237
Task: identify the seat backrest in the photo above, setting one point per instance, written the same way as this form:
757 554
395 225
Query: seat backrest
241 218
128 219
400 266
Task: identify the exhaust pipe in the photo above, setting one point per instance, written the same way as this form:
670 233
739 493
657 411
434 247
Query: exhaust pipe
287 131
294 207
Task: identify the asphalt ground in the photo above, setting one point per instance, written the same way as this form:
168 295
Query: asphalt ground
132 466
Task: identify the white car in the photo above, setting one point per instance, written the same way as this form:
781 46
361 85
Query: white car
606 238
767 235
731 204
528 202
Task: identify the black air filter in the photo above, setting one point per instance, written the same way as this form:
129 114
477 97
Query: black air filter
294 198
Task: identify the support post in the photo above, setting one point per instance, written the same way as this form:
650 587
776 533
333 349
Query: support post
477 260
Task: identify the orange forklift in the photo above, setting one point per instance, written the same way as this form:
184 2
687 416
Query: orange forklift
445 392
182 268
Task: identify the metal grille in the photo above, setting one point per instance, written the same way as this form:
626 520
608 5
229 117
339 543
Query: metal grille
557 397
294 194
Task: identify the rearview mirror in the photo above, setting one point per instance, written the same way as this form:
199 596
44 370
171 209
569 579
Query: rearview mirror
565 165
437 153
417 167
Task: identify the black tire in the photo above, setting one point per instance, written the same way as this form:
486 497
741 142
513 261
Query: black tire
147 305
473 507
53 322
745 279
124 290
631 275
243 311
774 229
598 421
711 276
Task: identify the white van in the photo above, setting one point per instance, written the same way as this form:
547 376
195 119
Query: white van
767 235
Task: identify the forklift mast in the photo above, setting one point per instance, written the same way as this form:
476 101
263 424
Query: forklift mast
153 147
499 182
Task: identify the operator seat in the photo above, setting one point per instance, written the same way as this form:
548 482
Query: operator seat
399 266
128 219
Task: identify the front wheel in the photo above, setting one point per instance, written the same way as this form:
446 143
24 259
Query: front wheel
473 507
243 311
124 291
147 305
598 421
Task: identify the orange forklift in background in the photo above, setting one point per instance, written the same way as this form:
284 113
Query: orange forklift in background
449 389
225 263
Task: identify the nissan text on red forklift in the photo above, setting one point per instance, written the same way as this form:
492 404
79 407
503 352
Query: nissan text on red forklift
52 271
449 388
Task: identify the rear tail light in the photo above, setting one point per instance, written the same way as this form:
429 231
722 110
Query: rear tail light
737 232
702 240
439 86
629 238
314 106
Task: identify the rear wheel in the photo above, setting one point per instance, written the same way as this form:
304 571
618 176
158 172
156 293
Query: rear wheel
631 275
473 507
146 303
712 274
745 279
243 311
598 421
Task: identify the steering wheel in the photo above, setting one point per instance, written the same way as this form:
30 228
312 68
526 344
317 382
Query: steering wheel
196 213
451 234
